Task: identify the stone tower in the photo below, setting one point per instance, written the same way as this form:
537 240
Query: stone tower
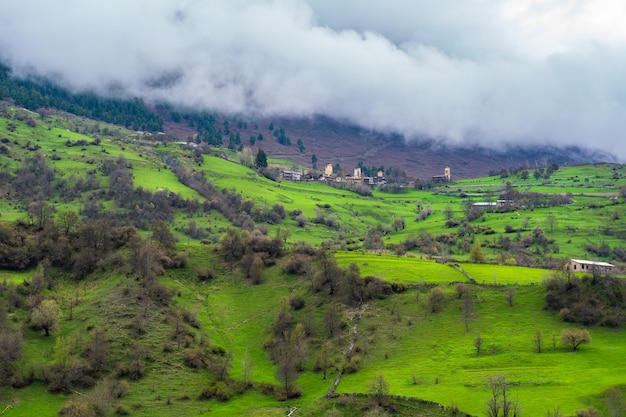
328 171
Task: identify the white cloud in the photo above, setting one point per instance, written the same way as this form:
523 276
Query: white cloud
483 71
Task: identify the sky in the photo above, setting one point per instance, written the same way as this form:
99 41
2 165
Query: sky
470 72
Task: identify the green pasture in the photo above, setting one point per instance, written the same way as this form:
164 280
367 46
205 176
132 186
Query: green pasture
403 269
505 275
432 356
411 270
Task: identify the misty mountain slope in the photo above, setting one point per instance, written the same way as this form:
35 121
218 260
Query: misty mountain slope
343 143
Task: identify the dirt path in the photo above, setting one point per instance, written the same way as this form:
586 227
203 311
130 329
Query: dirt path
355 335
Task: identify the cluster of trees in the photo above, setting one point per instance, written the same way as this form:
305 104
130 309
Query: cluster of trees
35 93
591 300
513 199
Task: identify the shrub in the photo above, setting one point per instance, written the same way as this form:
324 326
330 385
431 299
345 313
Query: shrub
195 358
77 408
191 318
297 302
297 264
205 274
218 390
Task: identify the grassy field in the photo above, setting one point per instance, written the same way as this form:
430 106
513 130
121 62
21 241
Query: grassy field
421 354
431 356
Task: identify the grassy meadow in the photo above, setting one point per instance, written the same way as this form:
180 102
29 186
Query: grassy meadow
422 354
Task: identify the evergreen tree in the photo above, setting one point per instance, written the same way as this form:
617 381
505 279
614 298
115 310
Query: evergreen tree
261 159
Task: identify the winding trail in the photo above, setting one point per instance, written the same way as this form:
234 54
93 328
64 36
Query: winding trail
464 272
355 336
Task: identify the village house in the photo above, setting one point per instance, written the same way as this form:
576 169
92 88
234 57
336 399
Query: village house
446 177
579 265
292 175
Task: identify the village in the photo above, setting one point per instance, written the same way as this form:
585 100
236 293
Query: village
357 177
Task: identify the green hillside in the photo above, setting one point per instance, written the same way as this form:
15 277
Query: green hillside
177 279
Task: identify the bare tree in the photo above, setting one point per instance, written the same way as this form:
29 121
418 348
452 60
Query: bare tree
467 306
287 375
478 343
248 367
509 296
538 340
256 269
332 321
379 389
10 352
499 404
554 413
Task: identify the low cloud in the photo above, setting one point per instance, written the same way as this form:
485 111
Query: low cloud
472 71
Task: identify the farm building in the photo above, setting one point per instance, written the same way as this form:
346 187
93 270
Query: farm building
292 175
579 265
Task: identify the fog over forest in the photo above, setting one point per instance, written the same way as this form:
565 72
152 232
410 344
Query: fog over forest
465 71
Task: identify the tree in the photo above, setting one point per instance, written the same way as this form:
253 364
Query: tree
46 316
247 367
68 222
552 222
498 400
10 352
509 296
448 213
478 343
162 234
232 246
332 321
261 159
436 299
256 270
467 306
379 389
41 213
323 357
538 340
476 253
314 161
575 337
524 175
554 413
287 375
398 223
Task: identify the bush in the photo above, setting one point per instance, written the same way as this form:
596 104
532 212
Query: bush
217 390
191 318
205 274
296 302
77 408
195 358
297 264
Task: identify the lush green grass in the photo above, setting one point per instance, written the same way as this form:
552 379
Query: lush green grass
407 270
439 353
410 270
501 274
399 337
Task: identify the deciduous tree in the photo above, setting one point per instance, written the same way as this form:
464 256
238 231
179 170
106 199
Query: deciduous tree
46 316
379 389
575 337
436 299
